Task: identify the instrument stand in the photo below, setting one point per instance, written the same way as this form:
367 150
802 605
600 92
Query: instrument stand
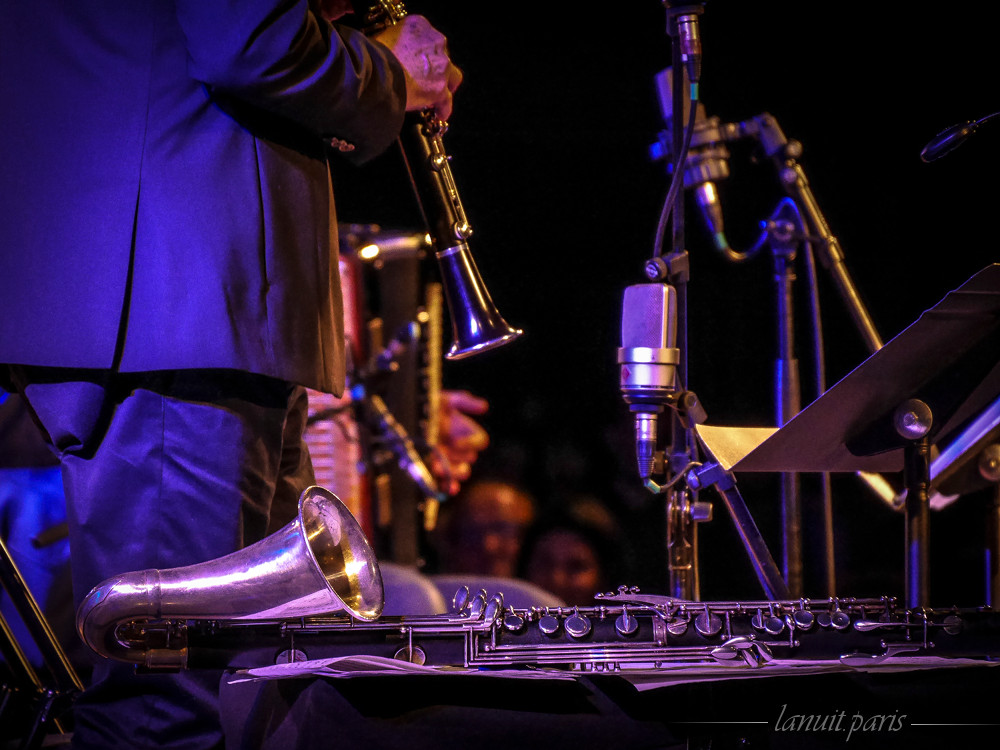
712 474
993 551
925 384
684 510
764 129
684 513
682 537
787 390
689 412
391 443
913 421
47 701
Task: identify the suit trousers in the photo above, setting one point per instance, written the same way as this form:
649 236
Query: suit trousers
161 470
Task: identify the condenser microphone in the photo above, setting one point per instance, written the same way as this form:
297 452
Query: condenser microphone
707 159
648 360
951 138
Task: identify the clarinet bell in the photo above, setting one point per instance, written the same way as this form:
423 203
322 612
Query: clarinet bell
477 324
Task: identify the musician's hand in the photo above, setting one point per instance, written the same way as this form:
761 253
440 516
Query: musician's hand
461 439
333 10
431 77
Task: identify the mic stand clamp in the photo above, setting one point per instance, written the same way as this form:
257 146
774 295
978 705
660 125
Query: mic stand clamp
689 412
684 509
674 269
684 512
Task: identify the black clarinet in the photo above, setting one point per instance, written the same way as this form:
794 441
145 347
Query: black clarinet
477 325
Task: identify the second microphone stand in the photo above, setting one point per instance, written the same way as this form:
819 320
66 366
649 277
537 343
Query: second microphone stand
784 154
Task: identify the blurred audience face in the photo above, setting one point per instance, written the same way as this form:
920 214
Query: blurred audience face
488 529
565 564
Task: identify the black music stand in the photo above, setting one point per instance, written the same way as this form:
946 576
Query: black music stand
923 386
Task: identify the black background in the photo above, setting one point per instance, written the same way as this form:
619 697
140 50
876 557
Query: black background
549 142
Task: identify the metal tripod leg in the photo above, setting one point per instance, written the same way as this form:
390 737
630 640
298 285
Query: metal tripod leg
66 682
763 563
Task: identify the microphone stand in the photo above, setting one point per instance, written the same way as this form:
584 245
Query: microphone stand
764 129
787 388
681 531
683 507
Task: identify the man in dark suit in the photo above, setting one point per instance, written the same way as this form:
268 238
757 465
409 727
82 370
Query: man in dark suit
169 283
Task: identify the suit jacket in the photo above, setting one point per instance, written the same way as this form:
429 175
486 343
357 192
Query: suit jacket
166 195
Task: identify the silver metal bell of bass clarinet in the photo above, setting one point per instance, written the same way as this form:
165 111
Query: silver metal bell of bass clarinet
319 563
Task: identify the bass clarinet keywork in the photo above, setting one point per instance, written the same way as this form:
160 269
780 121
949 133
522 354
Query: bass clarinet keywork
625 631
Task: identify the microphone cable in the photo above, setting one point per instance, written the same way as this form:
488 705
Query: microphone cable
677 179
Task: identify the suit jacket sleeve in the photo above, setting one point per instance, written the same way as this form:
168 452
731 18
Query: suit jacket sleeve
281 58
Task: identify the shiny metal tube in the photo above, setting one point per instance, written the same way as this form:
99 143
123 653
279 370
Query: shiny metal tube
319 563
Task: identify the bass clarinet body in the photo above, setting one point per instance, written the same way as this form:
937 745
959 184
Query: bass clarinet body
625 632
